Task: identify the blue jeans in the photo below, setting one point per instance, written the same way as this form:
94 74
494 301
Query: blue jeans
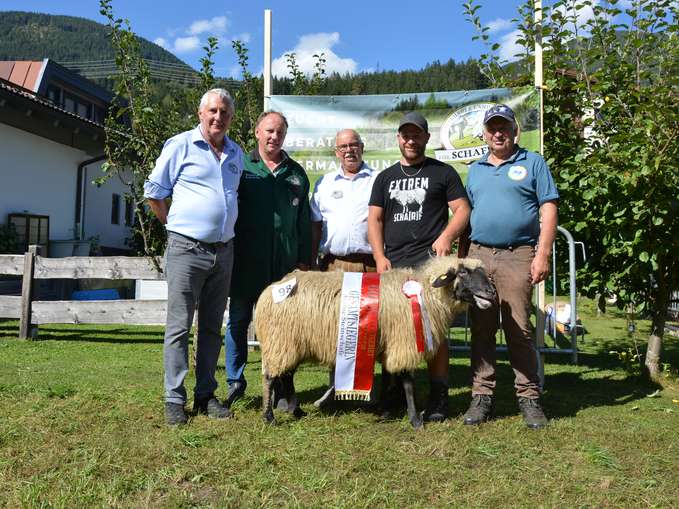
236 339
196 274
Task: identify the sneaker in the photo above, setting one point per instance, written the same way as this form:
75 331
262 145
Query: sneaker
236 391
211 407
532 412
175 414
480 410
437 407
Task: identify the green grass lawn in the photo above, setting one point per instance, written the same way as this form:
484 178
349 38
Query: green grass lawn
82 426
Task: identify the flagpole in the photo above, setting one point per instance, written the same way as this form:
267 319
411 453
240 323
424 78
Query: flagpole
540 288
268 81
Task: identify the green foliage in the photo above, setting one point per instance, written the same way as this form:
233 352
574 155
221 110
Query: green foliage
436 76
137 126
34 36
249 99
611 123
630 359
303 84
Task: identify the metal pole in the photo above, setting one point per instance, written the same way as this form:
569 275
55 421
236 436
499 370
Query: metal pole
540 288
573 292
268 81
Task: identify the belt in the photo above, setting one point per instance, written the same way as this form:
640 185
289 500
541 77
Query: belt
501 248
365 258
203 244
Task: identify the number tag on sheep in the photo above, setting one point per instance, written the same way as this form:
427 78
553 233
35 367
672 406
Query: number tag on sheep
303 327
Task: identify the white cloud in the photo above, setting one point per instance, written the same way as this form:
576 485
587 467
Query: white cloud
245 37
160 42
509 47
216 25
315 44
499 25
186 44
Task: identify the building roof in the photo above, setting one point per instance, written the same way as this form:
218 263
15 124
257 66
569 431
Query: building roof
13 89
24 73
23 109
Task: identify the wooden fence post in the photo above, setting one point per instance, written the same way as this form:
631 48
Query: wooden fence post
27 290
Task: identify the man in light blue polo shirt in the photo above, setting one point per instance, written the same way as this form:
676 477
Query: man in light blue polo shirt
513 225
200 171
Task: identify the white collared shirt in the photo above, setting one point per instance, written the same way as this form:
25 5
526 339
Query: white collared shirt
341 204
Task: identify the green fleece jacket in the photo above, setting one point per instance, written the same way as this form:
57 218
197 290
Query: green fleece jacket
273 230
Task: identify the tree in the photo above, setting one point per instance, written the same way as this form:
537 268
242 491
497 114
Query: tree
611 122
139 122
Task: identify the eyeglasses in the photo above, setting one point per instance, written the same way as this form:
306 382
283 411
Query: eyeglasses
349 146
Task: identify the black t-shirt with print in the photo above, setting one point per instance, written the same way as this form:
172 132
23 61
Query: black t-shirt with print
415 202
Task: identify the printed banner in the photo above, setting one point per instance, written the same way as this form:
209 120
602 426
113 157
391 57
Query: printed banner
455 123
357 335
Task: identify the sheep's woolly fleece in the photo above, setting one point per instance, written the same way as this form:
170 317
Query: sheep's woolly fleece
304 326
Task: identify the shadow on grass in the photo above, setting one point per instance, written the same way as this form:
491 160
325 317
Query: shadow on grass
566 393
90 334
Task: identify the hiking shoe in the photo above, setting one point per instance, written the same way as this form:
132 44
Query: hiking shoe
211 407
175 414
437 407
532 412
236 391
480 410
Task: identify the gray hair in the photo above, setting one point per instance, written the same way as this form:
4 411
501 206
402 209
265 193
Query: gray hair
352 131
265 114
223 95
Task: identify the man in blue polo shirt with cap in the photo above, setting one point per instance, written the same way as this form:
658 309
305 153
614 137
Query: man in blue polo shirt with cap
513 225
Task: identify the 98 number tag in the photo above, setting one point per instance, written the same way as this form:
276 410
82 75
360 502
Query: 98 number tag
282 291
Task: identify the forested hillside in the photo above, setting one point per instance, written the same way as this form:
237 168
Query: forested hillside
67 39
34 36
434 77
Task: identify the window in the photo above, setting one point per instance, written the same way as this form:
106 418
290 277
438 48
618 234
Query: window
31 229
115 209
54 94
129 211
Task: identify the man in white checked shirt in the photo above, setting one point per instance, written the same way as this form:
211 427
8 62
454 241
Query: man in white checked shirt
339 210
339 217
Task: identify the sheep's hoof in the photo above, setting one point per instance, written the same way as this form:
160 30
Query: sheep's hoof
418 424
298 413
269 418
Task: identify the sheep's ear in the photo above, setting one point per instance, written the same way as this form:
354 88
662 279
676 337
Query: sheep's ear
444 279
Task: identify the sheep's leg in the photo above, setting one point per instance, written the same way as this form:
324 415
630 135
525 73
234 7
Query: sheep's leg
409 389
288 386
267 398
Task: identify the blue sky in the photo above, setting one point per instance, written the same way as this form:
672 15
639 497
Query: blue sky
354 35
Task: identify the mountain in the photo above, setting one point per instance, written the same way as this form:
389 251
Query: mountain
34 36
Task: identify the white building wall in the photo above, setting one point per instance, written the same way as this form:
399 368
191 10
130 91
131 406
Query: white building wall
98 203
38 176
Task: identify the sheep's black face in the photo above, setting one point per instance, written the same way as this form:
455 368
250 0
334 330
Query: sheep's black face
470 285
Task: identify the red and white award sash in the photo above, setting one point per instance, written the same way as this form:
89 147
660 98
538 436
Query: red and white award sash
357 335
413 290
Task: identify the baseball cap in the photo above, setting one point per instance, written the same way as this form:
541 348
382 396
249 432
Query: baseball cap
500 110
416 119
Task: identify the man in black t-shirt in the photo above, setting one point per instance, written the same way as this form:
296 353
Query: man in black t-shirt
408 222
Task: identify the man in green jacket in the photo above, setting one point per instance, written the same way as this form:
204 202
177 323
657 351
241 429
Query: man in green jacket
272 235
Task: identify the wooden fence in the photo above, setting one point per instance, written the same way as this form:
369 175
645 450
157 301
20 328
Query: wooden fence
33 267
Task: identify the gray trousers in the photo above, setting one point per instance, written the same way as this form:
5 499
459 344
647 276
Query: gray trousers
196 274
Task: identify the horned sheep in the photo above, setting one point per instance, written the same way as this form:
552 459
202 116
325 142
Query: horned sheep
303 327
